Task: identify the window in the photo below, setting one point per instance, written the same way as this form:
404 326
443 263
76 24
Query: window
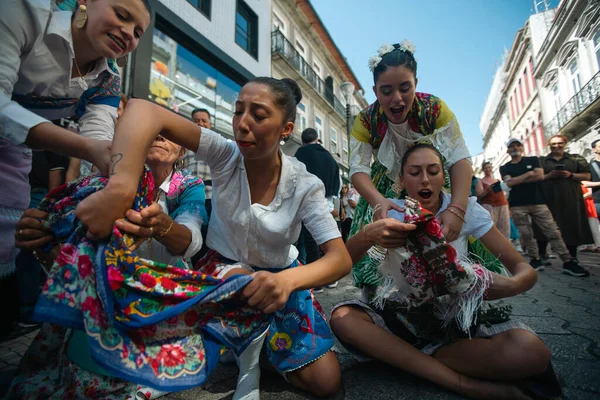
300 118
278 24
333 139
526 84
512 109
317 68
203 5
521 94
182 81
597 47
319 126
246 29
531 75
300 48
574 72
556 95
345 149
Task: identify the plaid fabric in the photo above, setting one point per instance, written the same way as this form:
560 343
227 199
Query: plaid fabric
199 169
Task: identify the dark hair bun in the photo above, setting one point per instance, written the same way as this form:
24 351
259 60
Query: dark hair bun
294 88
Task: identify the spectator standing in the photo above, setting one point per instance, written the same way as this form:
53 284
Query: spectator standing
491 197
522 175
594 184
319 162
561 187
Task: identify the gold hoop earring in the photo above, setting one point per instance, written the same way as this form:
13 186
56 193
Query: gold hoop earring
81 17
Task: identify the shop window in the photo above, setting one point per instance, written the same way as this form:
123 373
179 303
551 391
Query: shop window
182 81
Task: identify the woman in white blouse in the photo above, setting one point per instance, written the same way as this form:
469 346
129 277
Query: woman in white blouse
260 198
56 62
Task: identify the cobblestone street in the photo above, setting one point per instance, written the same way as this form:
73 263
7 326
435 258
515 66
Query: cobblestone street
563 310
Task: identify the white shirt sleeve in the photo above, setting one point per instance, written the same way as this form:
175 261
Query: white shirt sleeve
18 28
360 156
215 150
98 122
315 214
194 224
478 220
450 142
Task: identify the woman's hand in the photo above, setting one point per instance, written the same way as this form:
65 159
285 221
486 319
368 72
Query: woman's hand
451 225
149 222
30 233
389 232
383 207
267 292
99 211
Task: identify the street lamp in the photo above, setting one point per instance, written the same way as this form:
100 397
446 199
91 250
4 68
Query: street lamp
347 89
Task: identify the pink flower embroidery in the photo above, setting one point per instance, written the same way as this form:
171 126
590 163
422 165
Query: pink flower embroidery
168 284
148 280
434 229
115 278
171 355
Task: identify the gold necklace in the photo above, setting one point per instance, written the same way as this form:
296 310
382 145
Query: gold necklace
82 83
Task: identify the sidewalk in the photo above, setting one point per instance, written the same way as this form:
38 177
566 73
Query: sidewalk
563 310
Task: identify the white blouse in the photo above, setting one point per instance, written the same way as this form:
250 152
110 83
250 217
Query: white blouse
399 138
255 234
159 251
36 49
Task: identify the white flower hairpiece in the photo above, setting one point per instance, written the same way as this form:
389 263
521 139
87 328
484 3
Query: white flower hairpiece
405 45
374 62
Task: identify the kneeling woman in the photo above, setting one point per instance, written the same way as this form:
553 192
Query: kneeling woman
260 198
414 340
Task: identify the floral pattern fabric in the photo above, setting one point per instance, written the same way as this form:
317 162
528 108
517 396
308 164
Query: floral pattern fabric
146 322
298 334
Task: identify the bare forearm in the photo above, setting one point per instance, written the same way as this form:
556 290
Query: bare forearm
47 136
358 245
590 184
334 265
54 179
460 180
582 176
363 184
177 240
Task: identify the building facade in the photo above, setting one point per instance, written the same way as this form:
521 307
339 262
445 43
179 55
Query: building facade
199 53
568 74
514 105
303 50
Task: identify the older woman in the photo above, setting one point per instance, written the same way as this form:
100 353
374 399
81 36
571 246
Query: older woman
492 198
563 174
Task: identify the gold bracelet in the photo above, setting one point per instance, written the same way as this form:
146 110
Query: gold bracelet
168 229
456 213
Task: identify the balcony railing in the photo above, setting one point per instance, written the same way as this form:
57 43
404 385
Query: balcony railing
577 104
280 45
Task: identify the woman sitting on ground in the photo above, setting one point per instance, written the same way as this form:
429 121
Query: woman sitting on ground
260 198
415 340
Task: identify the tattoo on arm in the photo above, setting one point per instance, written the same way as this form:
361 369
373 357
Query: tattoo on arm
114 160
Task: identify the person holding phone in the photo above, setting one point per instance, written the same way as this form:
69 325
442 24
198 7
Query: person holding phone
561 186
491 197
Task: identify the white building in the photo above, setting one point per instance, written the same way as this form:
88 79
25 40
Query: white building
494 124
198 54
514 107
302 49
568 74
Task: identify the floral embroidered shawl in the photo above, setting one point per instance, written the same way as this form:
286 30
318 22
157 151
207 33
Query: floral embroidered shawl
146 322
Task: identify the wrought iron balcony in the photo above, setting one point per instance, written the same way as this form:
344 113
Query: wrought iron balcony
282 47
577 105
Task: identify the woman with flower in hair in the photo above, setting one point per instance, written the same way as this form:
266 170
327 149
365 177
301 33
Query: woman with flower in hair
400 118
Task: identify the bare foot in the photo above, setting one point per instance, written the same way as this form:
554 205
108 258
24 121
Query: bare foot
488 390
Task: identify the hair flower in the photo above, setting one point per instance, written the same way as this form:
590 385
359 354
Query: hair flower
374 62
407 45
384 49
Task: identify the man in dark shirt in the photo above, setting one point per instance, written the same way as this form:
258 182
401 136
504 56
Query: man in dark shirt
526 202
321 163
594 184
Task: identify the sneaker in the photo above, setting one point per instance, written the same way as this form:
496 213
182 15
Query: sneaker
537 264
574 269
318 290
545 262
332 285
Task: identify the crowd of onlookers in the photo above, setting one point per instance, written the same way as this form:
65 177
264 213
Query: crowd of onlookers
550 200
